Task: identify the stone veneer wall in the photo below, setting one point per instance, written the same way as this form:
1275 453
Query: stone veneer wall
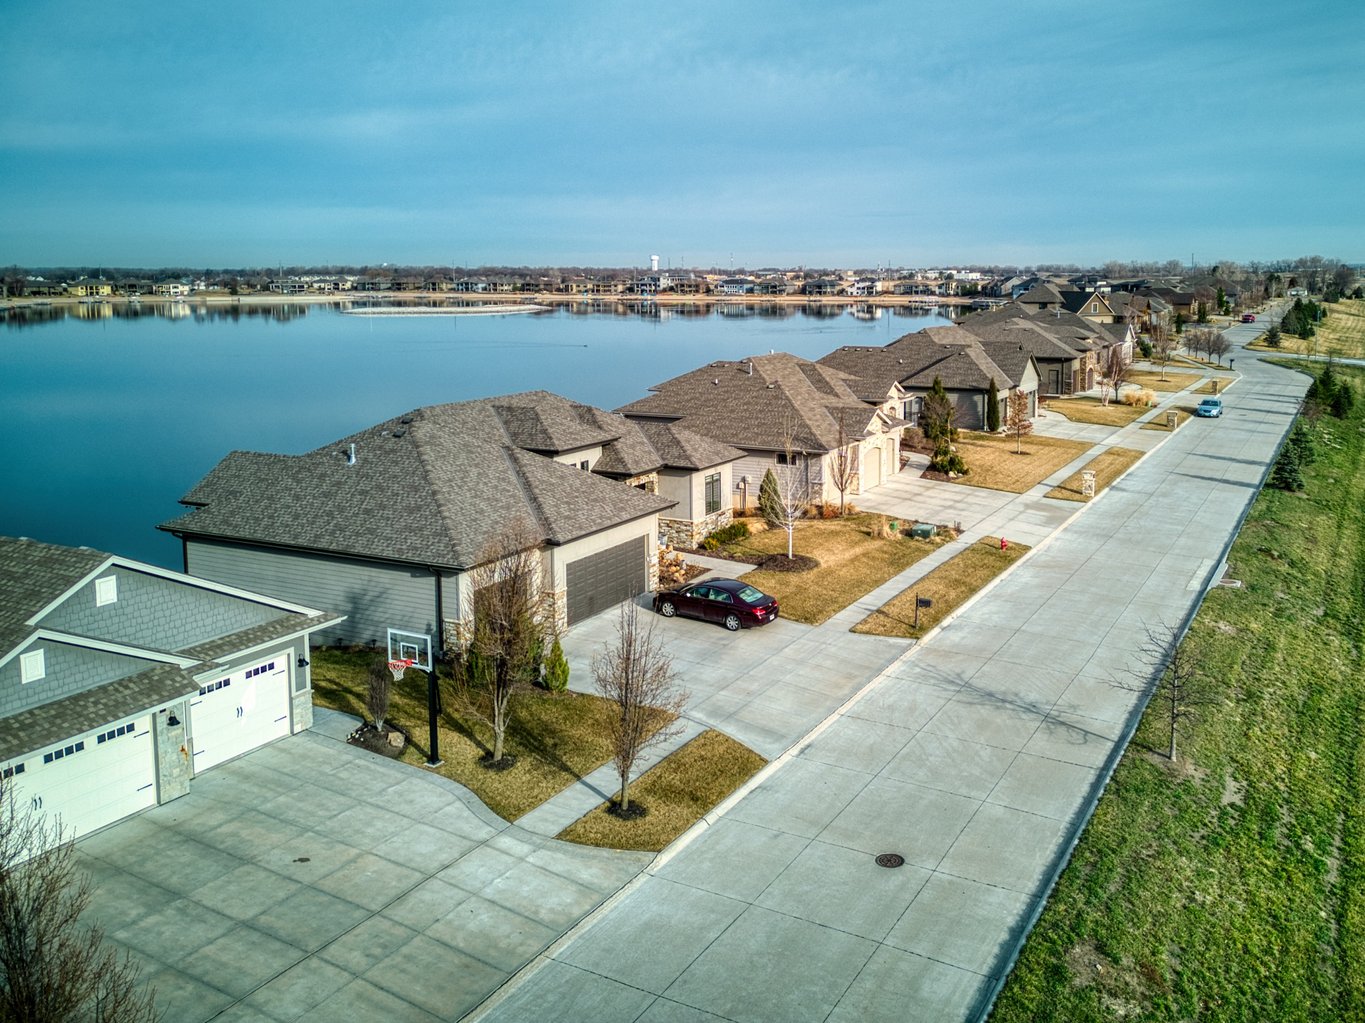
303 710
172 753
689 533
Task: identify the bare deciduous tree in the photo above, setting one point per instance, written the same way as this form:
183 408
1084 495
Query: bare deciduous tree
793 484
1219 346
54 968
843 464
1172 673
378 687
504 634
1200 342
1017 419
637 676
1163 345
1118 367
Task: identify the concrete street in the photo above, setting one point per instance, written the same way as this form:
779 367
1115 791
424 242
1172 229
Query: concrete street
976 756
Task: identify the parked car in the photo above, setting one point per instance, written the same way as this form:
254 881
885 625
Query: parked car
732 602
1248 317
1210 408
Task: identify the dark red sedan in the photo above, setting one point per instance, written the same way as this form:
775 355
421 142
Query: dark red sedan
732 602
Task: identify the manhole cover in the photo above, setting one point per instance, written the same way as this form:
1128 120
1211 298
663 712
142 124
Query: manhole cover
890 860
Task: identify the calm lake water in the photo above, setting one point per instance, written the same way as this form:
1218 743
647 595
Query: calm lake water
107 421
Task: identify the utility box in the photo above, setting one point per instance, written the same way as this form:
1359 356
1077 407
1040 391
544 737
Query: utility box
922 530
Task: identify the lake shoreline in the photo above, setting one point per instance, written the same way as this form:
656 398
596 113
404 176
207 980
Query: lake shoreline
547 300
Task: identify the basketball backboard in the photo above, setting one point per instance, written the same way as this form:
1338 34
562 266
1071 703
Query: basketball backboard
410 646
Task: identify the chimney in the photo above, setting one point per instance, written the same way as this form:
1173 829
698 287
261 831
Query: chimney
350 456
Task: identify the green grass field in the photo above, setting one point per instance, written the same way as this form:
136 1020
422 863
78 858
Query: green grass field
1231 885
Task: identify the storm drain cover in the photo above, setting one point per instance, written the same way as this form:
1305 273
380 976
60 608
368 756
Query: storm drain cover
890 860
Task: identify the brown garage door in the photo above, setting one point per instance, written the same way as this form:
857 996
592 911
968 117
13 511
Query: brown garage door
604 579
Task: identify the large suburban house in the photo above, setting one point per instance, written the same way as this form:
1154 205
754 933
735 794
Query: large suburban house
387 524
120 682
965 365
783 411
1069 350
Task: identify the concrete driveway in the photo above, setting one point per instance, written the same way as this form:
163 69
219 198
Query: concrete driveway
766 686
310 880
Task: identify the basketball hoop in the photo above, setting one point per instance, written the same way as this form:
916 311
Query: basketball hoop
398 667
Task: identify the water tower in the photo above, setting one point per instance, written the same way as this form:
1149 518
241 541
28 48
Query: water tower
653 264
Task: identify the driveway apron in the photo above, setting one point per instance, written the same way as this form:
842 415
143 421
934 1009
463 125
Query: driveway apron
975 757
311 880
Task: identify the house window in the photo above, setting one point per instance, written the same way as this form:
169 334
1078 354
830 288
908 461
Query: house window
783 460
583 465
106 590
712 493
32 666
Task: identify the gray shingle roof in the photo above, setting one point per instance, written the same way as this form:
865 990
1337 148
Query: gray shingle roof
751 403
33 575
50 723
435 486
959 359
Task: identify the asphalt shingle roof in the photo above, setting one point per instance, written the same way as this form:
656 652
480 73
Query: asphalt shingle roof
50 723
435 486
752 403
32 576
958 358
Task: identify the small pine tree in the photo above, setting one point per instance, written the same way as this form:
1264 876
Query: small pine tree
556 669
1272 336
1342 399
770 500
993 408
1301 440
1180 323
1288 471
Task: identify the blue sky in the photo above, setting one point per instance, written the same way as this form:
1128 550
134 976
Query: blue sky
596 134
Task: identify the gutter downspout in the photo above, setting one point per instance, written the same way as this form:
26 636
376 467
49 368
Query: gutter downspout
433 692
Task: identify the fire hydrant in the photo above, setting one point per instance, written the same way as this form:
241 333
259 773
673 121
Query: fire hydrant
1004 544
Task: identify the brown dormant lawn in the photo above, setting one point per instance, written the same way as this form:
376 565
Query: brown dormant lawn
1152 379
994 464
1215 385
676 792
1089 410
1159 423
1107 467
949 586
557 738
853 560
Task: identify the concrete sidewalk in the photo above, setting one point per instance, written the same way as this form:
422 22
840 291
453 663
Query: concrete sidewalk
975 756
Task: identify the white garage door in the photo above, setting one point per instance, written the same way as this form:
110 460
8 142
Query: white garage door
239 712
91 780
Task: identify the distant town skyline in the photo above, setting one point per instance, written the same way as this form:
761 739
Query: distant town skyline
713 135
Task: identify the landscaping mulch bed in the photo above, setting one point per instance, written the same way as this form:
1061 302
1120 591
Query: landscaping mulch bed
378 742
782 563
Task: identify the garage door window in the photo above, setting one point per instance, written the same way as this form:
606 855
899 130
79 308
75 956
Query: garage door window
64 752
213 687
10 772
114 733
